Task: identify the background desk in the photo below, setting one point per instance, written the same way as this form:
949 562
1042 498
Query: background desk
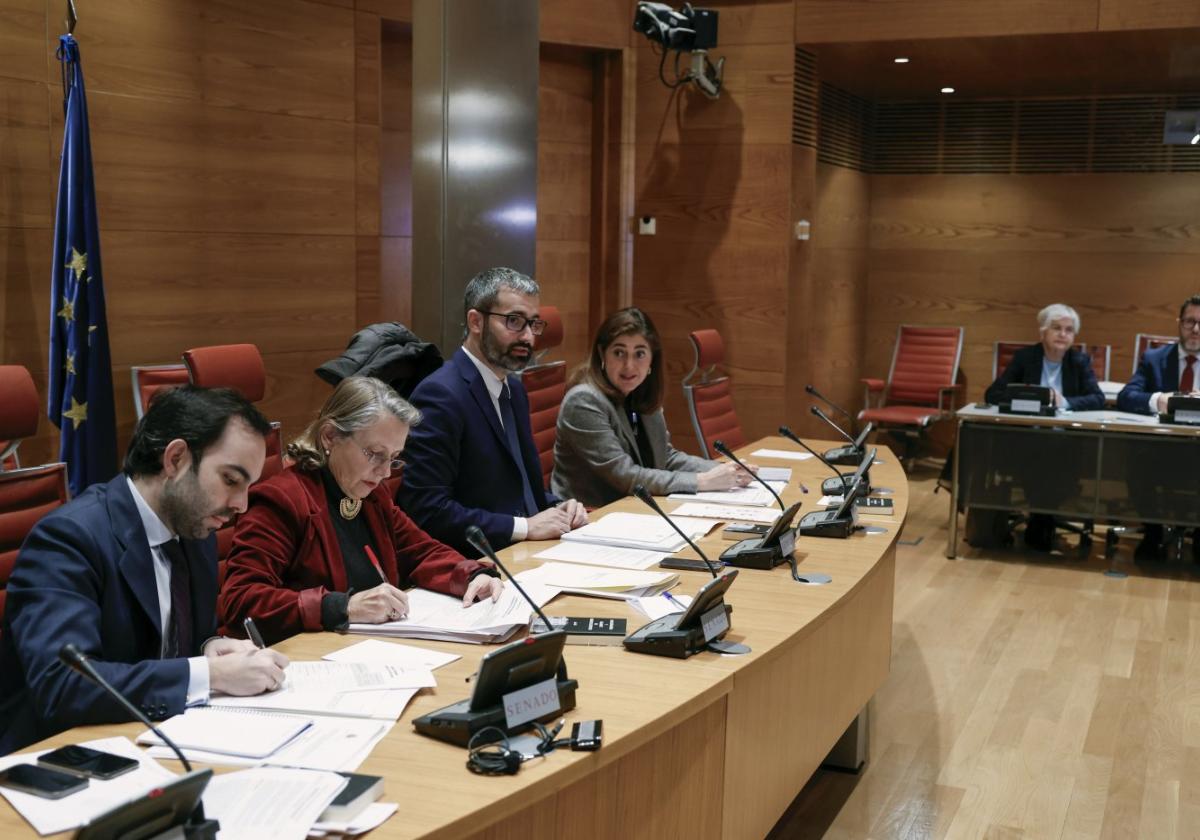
1106 466
707 747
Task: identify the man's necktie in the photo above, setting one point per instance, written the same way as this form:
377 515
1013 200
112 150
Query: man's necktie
179 632
514 446
1187 382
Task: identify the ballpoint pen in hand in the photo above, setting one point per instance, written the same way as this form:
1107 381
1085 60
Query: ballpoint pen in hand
252 633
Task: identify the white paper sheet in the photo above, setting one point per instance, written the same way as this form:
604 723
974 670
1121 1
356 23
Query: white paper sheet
384 704
373 816
214 730
783 474
738 513
645 531
783 454
659 605
755 495
598 582
435 616
392 653
602 555
269 803
50 816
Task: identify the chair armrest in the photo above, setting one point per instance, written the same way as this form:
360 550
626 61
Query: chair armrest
951 392
873 385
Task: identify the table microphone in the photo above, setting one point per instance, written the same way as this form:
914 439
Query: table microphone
787 433
480 543
819 413
643 494
810 389
197 828
720 446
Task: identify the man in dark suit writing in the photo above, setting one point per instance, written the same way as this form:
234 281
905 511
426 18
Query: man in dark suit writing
127 572
473 461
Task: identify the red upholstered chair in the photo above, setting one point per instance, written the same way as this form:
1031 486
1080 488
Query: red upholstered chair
709 397
921 385
546 384
1002 354
1146 341
19 412
26 495
148 380
1101 355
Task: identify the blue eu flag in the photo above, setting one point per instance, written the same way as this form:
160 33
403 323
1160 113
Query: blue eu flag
81 393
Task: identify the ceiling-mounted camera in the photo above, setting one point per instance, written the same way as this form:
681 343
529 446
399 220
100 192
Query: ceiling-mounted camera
687 30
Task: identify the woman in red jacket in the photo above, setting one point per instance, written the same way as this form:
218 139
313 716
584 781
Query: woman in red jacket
322 544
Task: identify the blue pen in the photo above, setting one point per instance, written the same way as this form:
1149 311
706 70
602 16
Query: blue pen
674 601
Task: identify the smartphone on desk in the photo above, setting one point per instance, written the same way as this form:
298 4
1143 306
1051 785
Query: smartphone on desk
85 761
41 781
686 564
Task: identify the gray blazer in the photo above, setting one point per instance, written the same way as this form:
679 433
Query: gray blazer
596 458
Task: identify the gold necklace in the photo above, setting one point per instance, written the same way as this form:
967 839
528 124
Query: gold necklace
349 508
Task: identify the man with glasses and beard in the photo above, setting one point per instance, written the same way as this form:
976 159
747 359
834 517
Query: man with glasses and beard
473 461
127 572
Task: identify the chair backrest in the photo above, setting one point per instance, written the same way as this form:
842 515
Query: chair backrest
26 495
19 411
1147 341
1101 356
709 396
924 362
148 380
546 384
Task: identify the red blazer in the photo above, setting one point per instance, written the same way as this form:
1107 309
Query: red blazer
285 556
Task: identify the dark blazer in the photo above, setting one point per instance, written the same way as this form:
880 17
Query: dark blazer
596 458
285 556
1157 372
85 575
458 470
1078 379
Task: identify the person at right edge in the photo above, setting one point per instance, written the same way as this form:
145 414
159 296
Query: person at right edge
1161 374
1055 363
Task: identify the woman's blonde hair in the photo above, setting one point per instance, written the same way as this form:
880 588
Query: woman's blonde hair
358 402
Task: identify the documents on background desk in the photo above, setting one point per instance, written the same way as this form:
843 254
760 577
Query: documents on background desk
640 530
764 516
620 584
432 615
50 816
392 653
269 803
783 454
754 495
602 555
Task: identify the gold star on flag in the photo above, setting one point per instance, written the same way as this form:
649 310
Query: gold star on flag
77 413
78 263
68 309
70 364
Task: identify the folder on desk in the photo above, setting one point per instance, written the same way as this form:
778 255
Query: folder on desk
243 733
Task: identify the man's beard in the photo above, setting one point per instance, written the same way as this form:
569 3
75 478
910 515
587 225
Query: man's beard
184 507
502 358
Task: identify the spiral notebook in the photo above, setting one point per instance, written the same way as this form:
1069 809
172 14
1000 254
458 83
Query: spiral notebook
246 733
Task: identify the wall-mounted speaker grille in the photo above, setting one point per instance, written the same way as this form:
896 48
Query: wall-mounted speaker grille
1064 135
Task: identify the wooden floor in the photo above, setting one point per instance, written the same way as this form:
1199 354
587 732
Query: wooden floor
1029 696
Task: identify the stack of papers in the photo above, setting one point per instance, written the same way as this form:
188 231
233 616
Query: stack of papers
755 495
621 584
270 803
602 555
763 516
443 617
239 733
642 531
373 816
392 653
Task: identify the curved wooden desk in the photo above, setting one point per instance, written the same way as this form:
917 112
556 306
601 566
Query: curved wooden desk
713 746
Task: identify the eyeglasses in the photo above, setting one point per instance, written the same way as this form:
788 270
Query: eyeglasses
516 322
1186 323
375 459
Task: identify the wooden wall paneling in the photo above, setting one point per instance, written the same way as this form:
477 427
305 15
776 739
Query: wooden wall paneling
395 10
368 141
802 352
26 197
394 294
883 20
368 281
25 320
278 56
1148 14
395 283
179 166
755 22
23 39
606 24
294 392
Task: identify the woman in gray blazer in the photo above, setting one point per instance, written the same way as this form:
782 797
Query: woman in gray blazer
611 432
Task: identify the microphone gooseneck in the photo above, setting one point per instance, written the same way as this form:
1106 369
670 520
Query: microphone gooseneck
720 446
819 413
787 433
645 496
810 389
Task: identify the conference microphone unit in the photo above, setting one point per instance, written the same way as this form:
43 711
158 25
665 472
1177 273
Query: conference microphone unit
533 664
811 390
839 522
720 446
843 455
702 626
177 804
830 486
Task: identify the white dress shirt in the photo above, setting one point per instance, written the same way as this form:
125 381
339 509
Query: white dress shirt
495 385
158 533
1183 354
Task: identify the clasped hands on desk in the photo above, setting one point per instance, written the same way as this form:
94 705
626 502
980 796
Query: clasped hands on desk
707 747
